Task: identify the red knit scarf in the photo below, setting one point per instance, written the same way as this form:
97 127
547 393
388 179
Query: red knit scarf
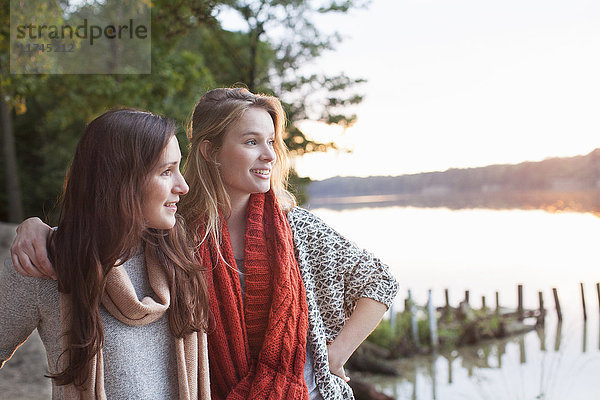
257 348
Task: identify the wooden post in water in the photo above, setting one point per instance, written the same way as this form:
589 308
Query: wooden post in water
432 321
583 301
520 301
497 302
522 358
413 319
557 304
542 316
483 307
447 297
541 333
467 297
558 337
598 290
584 336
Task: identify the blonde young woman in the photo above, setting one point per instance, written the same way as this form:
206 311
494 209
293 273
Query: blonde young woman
290 298
126 317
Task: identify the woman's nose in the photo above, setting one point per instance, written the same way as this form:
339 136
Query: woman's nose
181 187
269 154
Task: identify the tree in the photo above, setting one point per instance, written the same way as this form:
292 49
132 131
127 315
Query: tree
13 186
49 112
13 92
191 53
271 55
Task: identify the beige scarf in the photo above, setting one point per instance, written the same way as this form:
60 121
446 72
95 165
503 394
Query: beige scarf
121 301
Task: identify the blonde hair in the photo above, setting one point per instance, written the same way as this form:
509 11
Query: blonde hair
207 198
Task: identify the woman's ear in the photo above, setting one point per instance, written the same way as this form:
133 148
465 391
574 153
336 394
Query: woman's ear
205 148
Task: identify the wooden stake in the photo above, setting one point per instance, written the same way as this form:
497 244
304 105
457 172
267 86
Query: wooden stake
413 319
598 290
520 301
557 304
542 316
432 321
583 302
497 302
558 337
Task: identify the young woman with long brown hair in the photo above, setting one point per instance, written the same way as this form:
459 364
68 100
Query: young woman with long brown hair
290 298
126 317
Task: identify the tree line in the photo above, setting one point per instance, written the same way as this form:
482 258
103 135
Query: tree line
570 174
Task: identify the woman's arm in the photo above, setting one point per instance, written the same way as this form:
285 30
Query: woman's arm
349 287
362 322
28 251
19 312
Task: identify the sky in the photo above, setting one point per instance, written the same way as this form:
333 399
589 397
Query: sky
463 83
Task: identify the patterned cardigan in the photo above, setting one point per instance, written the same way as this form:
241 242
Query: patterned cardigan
336 273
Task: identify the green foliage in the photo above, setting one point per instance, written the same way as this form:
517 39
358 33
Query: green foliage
271 55
382 335
454 329
191 53
449 337
297 186
423 331
49 112
399 340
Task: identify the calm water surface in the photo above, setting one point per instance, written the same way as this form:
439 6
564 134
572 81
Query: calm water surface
485 251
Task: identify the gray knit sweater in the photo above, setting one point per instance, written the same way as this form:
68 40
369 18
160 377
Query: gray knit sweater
139 362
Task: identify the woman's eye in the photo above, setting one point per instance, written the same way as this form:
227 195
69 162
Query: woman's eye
271 142
167 172
251 141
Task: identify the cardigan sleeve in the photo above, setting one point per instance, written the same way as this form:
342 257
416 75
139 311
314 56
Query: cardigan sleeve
19 311
369 277
339 266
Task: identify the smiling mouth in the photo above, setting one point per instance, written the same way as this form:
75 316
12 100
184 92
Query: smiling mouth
172 205
263 172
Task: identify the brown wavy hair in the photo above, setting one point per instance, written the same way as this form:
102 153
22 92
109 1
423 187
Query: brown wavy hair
101 225
212 115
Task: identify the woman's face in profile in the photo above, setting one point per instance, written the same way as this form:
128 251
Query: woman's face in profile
164 184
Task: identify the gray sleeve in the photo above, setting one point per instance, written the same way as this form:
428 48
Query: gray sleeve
19 312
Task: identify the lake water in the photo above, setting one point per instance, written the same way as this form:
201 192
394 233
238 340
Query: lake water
485 251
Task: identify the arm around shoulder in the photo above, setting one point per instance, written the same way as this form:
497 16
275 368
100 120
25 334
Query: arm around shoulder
28 250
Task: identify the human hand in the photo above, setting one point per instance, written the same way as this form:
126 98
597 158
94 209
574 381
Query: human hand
364 319
336 361
28 251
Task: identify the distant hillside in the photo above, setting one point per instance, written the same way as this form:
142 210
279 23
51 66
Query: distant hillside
551 179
